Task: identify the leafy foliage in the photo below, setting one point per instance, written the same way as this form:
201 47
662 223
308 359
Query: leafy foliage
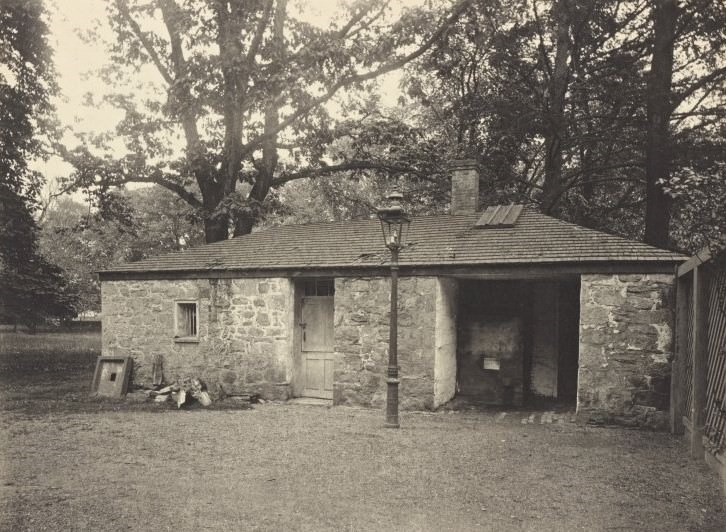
26 83
31 288
146 222
700 207
587 108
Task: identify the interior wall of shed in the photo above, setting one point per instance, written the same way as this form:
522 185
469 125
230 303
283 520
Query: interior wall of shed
545 339
569 344
491 341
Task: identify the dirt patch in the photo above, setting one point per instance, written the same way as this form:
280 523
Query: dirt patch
312 468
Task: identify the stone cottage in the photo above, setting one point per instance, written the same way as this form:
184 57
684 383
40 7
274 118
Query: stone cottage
506 306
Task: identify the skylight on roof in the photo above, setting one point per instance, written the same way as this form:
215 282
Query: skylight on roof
498 216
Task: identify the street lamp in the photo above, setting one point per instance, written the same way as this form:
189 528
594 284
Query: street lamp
394 225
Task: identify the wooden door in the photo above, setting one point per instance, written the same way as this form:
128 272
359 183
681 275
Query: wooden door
317 346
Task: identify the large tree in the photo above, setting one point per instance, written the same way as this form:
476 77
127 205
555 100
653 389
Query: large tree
248 85
32 289
686 95
659 108
536 90
27 82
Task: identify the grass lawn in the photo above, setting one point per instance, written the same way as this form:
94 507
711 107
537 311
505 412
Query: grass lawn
68 462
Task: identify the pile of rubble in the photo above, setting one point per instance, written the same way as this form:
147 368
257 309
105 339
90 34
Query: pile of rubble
181 392
187 392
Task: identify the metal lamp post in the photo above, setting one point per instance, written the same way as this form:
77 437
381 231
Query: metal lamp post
394 224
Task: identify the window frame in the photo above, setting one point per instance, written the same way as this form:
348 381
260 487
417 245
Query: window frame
321 287
177 325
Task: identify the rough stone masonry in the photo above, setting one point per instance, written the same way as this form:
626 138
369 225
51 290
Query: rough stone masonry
245 331
626 324
362 313
246 325
245 340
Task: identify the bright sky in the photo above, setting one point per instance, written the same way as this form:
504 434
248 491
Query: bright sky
73 59
76 60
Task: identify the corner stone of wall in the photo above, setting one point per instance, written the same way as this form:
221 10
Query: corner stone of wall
626 330
245 339
362 312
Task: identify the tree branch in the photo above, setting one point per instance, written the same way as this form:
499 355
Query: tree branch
257 39
195 149
359 78
717 75
158 179
343 32
123 9
347 166
541 45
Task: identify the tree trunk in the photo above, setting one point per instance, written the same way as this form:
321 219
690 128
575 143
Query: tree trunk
215 229
230 54
245 221
556 128
659 104
243 224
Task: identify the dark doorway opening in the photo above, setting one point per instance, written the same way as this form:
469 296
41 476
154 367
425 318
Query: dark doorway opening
518 342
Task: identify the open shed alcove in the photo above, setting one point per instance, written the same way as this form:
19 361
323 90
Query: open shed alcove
507 342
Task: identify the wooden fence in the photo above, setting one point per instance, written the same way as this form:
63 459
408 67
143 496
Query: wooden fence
698 384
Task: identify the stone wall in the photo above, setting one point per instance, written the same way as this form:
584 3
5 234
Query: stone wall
625 348
362 307
245 331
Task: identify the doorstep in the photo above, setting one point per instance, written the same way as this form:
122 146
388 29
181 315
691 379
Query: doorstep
314 401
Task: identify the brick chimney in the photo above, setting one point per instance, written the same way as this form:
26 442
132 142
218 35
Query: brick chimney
464 186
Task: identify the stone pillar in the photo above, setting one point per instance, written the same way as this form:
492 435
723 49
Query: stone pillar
625 349
361 341
445 338
464 187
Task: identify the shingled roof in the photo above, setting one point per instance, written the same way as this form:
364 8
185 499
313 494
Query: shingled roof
439 240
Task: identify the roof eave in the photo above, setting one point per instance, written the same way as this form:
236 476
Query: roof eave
644 265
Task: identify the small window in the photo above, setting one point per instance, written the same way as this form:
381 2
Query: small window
319 287
310 288
186 320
